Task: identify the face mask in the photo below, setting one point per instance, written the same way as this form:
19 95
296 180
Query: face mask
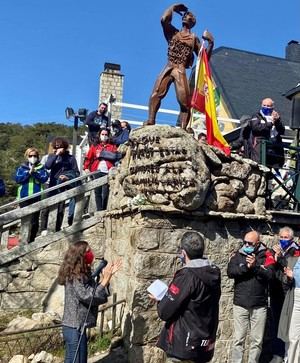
182 258
267 111
248 249
103 138
284 243
33 159
89 257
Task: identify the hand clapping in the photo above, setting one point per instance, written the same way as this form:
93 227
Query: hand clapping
109 271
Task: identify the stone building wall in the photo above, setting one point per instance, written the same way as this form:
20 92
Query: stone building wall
30 281
111 82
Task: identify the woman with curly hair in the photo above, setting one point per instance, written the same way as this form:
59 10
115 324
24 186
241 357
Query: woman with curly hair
75 275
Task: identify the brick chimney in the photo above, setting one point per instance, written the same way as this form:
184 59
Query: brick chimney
111 82
292 51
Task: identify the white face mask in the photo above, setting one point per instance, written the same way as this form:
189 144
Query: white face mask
103 138
33 159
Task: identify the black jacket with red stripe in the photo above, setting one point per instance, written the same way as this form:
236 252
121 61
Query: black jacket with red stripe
191 311
251 284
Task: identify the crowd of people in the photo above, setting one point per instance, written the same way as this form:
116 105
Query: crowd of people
262 277
36 173
266 286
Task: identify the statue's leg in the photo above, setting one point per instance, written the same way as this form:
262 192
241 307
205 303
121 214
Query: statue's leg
160 90
183 96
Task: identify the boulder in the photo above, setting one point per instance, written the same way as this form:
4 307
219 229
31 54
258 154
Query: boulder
43 357
18 359
166 167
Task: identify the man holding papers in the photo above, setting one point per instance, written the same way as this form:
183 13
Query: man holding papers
190 306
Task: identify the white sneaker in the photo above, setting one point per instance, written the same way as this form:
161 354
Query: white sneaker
44 233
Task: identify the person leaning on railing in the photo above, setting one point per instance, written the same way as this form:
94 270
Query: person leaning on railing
63 167
102 157
31 176
266 125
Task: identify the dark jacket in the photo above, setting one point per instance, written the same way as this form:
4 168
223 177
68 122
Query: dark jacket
95 122
190 309
58 165
251 285
121 137
2 187
261 130
78 295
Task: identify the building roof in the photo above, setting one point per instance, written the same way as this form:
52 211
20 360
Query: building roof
245 78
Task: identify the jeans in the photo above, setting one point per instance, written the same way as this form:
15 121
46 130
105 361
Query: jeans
242 317
71 339
101 194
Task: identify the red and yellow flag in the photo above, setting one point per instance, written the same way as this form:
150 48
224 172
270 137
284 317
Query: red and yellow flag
203 100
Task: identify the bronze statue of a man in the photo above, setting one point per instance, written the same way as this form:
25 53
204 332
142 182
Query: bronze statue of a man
181 46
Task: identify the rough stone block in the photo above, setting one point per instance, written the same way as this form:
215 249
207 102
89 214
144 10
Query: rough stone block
154 265
5 280
22 300
169 240
43 276
146 238
145 327
146 354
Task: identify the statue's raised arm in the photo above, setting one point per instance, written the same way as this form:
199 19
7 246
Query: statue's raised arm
182 45
166 19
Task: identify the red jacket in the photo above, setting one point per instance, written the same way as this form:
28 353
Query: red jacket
92 160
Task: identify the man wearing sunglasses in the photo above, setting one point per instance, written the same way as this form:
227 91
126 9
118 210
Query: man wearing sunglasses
251 267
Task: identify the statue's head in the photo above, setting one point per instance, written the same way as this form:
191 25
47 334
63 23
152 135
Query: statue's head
188 19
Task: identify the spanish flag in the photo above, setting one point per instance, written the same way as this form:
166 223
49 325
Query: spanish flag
203 100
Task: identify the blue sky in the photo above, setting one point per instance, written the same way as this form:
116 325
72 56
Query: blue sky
52 51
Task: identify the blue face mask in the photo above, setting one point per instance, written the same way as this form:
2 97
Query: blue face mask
248 249
267 111
284 243
182 259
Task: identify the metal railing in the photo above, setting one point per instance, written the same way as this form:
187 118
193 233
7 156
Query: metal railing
283 190
49 339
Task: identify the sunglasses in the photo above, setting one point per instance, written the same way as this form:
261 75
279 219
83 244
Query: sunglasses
249 243
32 155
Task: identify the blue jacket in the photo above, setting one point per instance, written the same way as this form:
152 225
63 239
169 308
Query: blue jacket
121 137
30 184
2 187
